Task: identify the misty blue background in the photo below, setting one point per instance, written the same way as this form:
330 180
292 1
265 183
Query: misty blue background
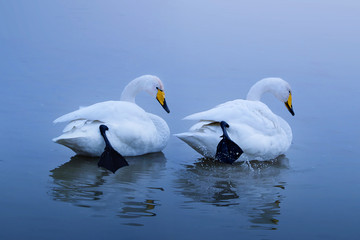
58 55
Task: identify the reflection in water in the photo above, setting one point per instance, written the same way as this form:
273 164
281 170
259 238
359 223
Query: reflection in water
253 188
129 193
138 209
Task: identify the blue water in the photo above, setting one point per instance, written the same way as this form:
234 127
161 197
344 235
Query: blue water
58 55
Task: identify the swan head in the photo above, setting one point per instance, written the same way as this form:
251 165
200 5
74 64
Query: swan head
277 86
156 89
148 83
282 91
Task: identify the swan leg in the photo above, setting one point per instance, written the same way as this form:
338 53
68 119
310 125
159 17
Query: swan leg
110 159
227 151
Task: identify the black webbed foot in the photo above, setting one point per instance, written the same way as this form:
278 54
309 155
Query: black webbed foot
227 151
110 159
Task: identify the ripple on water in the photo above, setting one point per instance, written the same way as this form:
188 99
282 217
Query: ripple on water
131 193
252 188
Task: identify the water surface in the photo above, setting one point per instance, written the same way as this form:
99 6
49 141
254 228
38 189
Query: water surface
59 55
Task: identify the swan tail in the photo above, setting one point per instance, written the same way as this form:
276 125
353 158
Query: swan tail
79 114
196 142
64 118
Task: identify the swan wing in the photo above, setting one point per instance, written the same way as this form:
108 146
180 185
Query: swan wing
254 114
253 127
132 131
108 111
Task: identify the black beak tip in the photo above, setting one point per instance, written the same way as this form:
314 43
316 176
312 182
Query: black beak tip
292 111
166 108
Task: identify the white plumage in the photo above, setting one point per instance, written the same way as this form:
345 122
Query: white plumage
260 133
132 131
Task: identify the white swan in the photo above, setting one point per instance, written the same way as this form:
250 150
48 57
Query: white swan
260 133
132 131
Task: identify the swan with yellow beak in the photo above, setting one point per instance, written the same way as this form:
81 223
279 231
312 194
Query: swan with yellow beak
260 134
130 130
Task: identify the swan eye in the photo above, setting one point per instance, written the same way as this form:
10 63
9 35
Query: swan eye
159 89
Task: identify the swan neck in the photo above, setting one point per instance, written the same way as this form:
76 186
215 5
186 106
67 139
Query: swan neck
131 90
145 83
255 92
258 89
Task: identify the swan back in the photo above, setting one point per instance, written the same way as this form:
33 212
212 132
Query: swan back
108 111
250 113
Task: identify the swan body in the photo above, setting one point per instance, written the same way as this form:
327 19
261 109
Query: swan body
132 131
260 133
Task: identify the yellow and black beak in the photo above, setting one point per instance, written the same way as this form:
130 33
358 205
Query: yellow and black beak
160 96
288 105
